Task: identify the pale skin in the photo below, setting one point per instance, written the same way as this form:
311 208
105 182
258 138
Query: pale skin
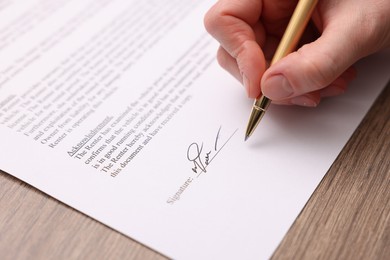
340 33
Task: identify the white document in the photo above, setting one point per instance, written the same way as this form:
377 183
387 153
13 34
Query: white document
119 109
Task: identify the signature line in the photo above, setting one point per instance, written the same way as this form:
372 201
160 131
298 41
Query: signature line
212 158
216 139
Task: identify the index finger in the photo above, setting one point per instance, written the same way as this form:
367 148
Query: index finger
232 23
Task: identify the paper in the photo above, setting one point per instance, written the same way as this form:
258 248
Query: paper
119 109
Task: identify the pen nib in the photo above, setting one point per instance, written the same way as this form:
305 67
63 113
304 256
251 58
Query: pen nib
255 117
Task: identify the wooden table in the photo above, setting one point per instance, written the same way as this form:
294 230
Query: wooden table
347 217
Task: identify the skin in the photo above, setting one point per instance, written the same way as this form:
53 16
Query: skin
340 33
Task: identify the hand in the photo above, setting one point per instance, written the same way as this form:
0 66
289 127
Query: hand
340 33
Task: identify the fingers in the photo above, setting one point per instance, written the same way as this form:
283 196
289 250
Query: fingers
228 63
234 23
231 21
249 31
314 67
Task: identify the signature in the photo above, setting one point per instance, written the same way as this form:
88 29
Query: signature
200 157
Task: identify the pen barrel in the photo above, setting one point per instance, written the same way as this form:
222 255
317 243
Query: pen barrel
295 29
290 39
262 103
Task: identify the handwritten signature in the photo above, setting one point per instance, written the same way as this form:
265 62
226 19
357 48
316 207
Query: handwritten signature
200 158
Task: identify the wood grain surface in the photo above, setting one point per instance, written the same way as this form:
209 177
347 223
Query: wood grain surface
348 216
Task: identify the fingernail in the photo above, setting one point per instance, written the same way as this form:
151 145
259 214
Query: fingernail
246 84
304 101
277 87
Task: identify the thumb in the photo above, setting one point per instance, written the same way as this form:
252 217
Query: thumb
313 67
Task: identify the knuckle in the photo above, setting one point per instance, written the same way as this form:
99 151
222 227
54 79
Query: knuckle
374 27
211 20
377 30
318 76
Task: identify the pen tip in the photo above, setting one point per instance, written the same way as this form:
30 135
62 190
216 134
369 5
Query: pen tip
257 114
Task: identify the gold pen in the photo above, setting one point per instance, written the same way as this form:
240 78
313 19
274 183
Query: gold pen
290 39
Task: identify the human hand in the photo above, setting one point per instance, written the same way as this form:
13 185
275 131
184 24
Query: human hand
341 32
